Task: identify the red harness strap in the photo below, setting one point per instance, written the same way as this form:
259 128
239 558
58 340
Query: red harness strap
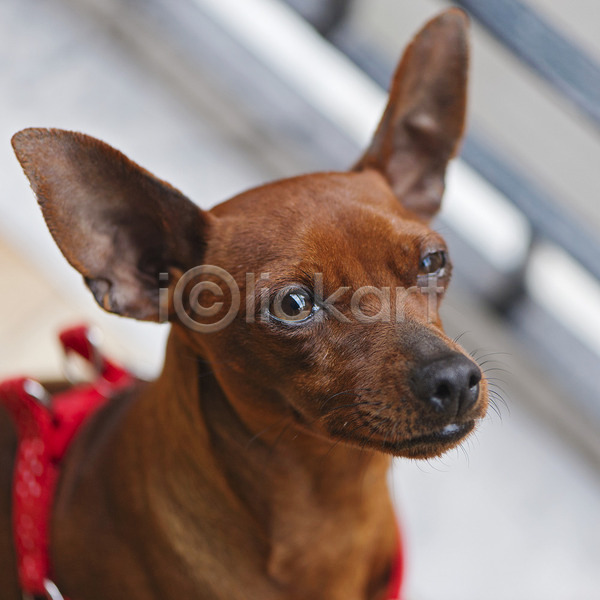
46 427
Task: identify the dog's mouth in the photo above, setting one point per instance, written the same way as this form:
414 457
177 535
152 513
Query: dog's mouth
428 445
431 444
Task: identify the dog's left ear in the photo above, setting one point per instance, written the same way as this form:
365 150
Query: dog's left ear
424 120
116 223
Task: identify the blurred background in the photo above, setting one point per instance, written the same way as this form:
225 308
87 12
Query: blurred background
216 96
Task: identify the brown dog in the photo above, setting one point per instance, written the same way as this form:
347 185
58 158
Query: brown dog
255 466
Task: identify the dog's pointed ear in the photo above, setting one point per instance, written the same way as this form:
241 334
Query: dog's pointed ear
424 120
116 223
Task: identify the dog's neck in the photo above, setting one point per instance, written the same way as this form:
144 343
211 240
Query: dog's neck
299 497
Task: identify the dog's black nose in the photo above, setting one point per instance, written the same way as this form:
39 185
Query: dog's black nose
449 384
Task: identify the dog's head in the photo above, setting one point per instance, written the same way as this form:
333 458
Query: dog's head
315 297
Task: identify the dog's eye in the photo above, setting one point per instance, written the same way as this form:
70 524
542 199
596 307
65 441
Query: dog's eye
433 263
292 305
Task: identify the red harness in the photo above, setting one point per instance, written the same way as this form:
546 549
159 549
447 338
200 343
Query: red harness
46 427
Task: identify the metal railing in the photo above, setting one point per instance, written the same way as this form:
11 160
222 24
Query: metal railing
548 52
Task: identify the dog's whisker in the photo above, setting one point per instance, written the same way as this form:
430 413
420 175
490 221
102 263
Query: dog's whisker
333 409
495 408
265 430
280 436
473 353
355 391
340 439
496 385
499 369
460 336
488 354
493 361
499 398
497 392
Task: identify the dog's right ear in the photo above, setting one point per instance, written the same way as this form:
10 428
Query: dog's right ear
424 120
116 223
